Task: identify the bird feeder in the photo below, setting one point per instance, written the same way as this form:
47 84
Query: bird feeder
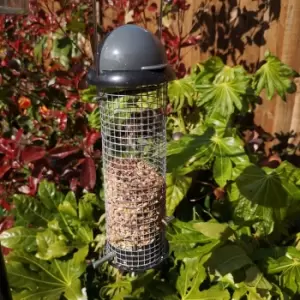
14 7
131 78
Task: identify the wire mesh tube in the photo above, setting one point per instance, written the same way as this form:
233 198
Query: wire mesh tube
133 126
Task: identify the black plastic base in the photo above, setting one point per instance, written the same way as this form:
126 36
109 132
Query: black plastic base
140 260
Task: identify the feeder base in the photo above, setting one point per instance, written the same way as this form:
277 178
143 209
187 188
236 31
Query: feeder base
140 260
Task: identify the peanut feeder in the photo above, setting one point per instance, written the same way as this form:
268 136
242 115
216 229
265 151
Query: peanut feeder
131 77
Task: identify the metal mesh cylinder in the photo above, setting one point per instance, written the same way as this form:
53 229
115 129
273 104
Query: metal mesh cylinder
133 126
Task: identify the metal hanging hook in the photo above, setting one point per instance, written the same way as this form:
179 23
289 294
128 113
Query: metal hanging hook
160 24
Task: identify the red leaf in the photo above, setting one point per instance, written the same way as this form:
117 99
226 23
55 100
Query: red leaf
152 7
88 174
63 151
63 119
19 135
6 223
4 169
4 204
63 81
31 188
91 138
32 153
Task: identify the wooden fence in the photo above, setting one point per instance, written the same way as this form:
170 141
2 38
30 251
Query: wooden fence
241 31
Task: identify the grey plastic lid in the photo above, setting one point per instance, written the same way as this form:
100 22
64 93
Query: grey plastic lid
129 57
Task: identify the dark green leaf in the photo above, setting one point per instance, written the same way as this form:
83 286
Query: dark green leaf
209 70
255 278
180 152
263 195
203 252
228 259
288 267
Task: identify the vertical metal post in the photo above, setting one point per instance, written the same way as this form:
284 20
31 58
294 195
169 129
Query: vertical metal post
4 287
160 21
95 36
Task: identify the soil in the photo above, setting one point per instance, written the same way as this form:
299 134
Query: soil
135 203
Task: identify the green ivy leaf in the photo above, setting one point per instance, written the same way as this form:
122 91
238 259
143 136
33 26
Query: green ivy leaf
85 210
50 246
288 268
177 187
48 195
180 152
20 238
226 93
263 195
48 281
239 293
192 274
230 147
31 211
180 91
84 234
228 259
255 278
274 76
222 170
67 208
210 294
203 252
213 230
209 69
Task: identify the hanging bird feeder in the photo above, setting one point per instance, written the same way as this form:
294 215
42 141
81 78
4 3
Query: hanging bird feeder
131 77
14 7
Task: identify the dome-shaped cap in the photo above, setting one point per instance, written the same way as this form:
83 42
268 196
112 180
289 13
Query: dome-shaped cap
131 56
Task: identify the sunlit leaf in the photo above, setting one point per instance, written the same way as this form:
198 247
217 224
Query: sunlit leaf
226 93
20 238
274 76
177 187
48 281
222 169
50 246
181 91
288 268
192 274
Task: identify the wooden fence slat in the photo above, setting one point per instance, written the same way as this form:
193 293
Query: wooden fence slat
276 29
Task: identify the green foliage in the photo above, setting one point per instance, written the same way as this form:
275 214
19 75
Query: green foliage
236 233
274 76
50 244
31 278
